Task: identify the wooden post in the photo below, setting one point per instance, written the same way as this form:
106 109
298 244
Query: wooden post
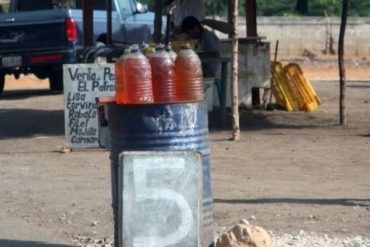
342 71
157 36
234 69
251 20
251 17
88 22
109 21
229 15
302 7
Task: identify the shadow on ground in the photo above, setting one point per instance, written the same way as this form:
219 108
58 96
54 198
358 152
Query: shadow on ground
339 202
359 86
25 93
16 123
16 243
262 119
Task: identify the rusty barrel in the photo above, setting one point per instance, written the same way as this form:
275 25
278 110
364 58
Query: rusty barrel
163 127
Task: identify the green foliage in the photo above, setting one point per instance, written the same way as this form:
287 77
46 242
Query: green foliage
287 7
359 8
275 7
325 7
216 7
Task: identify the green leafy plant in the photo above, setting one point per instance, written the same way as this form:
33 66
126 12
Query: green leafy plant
286 7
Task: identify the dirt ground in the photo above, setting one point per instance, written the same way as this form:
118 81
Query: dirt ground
290 171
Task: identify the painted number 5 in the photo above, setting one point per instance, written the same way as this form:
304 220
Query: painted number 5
143 193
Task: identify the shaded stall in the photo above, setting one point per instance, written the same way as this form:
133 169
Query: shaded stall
250 66
253 52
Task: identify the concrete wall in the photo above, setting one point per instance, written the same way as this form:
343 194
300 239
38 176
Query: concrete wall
297 34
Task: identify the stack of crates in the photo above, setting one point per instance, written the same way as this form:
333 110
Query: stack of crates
291 89
281 90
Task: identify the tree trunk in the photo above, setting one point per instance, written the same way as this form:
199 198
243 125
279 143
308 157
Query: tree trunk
235 98
342 71
157 36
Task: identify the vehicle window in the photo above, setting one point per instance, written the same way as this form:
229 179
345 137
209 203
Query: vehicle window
26 5
98 4
126 6
66 4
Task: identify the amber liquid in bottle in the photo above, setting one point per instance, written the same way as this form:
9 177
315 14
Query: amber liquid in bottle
120 89
163 76
188 76
136 79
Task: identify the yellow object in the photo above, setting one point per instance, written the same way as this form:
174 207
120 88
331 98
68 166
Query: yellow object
148 49
282 93
310 100
176 45
291 89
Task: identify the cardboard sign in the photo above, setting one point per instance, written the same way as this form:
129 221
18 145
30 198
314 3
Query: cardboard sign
160 199
83 84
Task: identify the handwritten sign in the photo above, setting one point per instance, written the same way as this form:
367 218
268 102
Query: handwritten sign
160 195
83 84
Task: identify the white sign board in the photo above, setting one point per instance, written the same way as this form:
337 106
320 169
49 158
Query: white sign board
160 199
83 84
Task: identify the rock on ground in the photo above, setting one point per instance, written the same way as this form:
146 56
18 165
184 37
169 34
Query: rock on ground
245 235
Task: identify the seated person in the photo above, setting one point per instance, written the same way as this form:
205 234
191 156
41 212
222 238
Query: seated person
185 8
208 44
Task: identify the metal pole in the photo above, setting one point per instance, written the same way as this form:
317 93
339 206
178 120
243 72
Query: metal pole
167 40
171 6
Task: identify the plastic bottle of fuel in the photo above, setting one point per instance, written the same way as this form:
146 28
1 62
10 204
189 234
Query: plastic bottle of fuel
172 53
120 89
188 76
135 83
147 49
163 76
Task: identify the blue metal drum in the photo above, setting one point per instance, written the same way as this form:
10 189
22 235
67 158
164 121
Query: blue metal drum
163 127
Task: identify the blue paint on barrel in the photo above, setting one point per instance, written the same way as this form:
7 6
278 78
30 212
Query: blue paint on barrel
164 127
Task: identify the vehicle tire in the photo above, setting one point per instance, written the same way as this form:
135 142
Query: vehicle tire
2 82
56 80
